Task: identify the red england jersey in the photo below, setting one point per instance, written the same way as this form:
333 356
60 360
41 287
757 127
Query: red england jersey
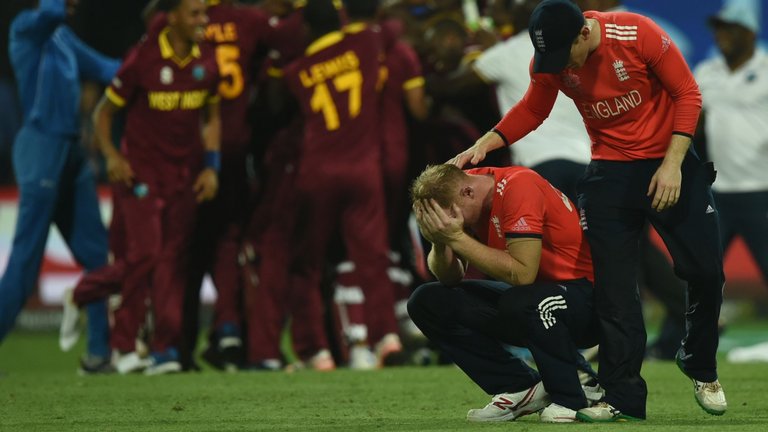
634 91
163 96
526 205
237 33
336 84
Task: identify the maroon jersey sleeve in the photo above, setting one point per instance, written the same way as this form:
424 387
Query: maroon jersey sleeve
405 67
125 84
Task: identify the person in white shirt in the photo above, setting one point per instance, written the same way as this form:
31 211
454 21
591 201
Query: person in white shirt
734 88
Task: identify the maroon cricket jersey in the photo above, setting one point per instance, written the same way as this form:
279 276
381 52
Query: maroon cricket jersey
164 96
237 32
403 72
336 84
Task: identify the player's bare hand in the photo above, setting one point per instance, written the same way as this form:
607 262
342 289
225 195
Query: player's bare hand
206 185
476 154
439 225
119 170
665 186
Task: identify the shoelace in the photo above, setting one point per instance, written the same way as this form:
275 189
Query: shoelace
713 387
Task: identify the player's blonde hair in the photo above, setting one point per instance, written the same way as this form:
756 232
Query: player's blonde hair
438 182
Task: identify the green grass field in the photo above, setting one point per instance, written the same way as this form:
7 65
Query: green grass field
39 391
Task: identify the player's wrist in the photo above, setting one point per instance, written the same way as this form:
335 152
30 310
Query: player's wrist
213 160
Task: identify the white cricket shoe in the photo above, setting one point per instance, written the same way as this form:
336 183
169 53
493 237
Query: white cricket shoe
709 395
509 406
555 413
362 358
602 412
69 329
130 362
593 393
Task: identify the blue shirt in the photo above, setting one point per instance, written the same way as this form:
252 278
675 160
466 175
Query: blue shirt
50 61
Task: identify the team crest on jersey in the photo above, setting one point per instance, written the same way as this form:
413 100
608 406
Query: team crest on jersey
621 72
166 75
198 72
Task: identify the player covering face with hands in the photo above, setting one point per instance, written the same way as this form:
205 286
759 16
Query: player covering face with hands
640 104
512 225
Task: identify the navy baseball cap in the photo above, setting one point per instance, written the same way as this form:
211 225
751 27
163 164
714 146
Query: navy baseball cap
553 26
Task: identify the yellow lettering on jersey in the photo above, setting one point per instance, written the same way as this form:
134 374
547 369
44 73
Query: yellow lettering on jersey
193 99
221 32
320 72
169 101
164 101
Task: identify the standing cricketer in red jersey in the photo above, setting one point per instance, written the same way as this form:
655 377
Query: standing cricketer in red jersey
640 104
514 226
169 162
339 182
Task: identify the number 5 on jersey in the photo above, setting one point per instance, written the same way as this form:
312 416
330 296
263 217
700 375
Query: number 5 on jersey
322 101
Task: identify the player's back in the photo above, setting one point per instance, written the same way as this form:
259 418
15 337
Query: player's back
336 84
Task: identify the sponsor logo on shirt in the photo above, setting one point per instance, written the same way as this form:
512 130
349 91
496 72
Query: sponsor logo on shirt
497 225
521 225
619 32
166 75
621 72
612 107
709 210
172 100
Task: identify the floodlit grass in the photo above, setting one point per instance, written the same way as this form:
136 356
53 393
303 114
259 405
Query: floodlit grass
39 391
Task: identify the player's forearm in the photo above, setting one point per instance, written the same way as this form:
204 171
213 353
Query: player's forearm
678 148
445 265
102 128
495 263
212 131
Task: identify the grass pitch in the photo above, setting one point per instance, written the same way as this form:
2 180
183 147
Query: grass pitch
39 391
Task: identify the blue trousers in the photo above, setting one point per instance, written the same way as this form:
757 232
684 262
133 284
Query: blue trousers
56 185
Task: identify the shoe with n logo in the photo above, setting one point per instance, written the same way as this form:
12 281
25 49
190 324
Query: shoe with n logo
509 406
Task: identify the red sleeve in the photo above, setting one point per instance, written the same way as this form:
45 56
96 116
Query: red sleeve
125 83
531 111
667 63
523 207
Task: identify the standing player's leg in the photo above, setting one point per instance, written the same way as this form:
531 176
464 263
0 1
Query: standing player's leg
38 160
79 220
745 213
613 232
364 229
690 230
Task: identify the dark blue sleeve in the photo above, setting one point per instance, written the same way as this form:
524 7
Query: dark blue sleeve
40 23
93 65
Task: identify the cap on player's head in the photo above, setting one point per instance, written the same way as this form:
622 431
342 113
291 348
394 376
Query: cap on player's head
553 27
745 13
364 9
321 16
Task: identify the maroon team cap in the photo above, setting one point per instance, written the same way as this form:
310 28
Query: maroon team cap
553 26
